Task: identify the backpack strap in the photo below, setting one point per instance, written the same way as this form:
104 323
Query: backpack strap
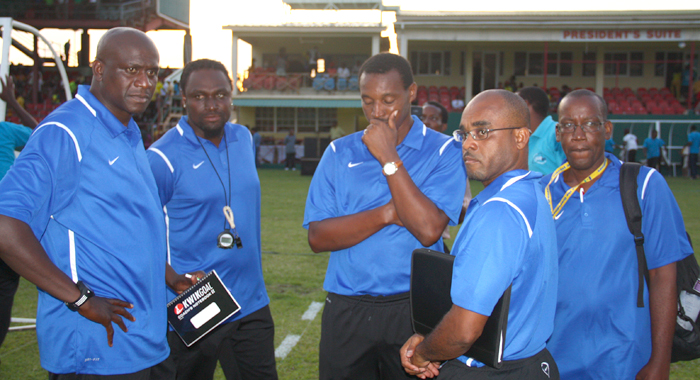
633 214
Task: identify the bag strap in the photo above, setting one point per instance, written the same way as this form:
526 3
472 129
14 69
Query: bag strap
633 213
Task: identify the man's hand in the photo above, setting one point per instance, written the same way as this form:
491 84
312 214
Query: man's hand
413 363
381 139
105 311
654 372
8 89
391 216
181 282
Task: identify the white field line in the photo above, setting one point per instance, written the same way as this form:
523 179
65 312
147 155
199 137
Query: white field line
286 346
311 312
291 340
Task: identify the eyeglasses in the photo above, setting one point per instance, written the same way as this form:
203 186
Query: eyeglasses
477 134
587 127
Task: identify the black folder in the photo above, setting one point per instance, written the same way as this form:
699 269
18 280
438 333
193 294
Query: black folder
431 283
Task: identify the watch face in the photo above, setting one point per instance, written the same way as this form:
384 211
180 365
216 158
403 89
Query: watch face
390 168
225 240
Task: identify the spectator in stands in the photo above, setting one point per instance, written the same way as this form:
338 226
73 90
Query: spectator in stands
12 136
435 116
356 68
654 147
290 150
282 62
314 55
343 71
630 143
545 153
694 142
685 81
458 103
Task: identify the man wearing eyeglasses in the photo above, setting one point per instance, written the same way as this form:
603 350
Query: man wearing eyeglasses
507 238
599 331
375 197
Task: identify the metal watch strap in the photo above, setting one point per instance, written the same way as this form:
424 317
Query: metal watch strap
85 294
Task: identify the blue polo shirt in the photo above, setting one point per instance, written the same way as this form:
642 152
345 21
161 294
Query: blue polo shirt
193 197
349 180
545 154
694 140
12 136
599 332
84 186
653 147
508 237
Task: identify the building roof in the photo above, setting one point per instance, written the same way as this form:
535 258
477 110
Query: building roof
334 4
328 29
547 20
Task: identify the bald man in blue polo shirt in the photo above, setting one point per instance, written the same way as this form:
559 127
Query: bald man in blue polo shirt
80 218
507 238
375 197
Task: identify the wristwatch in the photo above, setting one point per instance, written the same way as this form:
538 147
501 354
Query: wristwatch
85 294
391 167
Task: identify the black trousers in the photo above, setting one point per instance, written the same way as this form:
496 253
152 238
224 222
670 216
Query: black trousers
653 162
290 161
245 349
541 366
632 155
361 337
693 164
9 281
162 371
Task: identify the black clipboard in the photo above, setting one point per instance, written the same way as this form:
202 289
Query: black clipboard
201 308
431 283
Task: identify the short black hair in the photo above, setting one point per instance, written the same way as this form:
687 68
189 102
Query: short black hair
382 63
692 127
200 64
443 110
537 98
583 93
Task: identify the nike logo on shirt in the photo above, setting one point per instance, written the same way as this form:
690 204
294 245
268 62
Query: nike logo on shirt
351 165
111 162
198 165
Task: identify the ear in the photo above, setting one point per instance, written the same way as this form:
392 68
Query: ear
556 131
413 91
98 69
608 129
522 137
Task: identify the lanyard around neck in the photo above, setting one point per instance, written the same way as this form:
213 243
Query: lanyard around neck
571 191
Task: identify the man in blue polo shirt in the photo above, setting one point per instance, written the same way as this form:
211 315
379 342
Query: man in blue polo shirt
694 142
545 152
201 166
599 331
375 197
80 205
507 238
654 145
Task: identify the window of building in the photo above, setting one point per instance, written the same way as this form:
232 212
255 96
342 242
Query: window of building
667 63
624 64
304 120
532 63
431 62
589 64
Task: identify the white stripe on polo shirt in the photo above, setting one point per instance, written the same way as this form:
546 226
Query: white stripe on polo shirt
71 247
646 181
85 103
165 158
511 204
72 136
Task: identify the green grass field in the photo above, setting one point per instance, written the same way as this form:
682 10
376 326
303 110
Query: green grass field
294 278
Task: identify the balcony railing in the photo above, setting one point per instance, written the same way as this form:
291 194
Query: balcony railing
266 82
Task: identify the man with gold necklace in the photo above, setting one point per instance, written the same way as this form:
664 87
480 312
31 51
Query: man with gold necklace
599 331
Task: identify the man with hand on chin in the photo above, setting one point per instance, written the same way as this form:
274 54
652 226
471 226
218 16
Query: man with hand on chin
375 197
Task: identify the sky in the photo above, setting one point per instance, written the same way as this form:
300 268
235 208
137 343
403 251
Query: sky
209 16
